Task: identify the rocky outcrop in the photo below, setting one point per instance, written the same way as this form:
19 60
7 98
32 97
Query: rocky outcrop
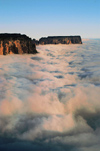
61 40
35 41
16 44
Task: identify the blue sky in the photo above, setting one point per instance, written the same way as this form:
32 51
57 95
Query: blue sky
39 18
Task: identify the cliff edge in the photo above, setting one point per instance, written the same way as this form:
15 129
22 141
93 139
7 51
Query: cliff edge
16 44
60 40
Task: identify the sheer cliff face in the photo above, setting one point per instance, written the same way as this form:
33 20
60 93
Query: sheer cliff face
16 44
61 40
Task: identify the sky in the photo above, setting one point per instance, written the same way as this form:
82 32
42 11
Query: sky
40 18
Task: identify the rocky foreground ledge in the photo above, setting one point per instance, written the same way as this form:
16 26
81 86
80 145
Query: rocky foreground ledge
60 40
16 44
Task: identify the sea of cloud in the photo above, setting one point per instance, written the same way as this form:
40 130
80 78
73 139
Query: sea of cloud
51 101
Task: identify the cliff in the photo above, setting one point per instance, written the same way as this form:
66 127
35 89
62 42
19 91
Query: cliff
35 41
60 40
16 44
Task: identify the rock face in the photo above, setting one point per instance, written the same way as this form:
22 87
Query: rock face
35 41
61 40
16 44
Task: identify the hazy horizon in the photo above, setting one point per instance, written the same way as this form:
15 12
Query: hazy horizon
83 38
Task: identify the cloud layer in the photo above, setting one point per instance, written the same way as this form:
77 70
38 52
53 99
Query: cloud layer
51 100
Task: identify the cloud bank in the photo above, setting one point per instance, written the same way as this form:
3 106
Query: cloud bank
51 100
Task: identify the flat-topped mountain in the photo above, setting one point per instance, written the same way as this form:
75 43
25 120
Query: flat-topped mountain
60 40
16 44
20 44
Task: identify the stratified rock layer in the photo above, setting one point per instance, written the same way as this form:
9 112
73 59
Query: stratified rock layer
60 40
16 44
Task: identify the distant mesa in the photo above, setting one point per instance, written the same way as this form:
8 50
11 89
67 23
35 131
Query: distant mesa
60 40
20 44
16 44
